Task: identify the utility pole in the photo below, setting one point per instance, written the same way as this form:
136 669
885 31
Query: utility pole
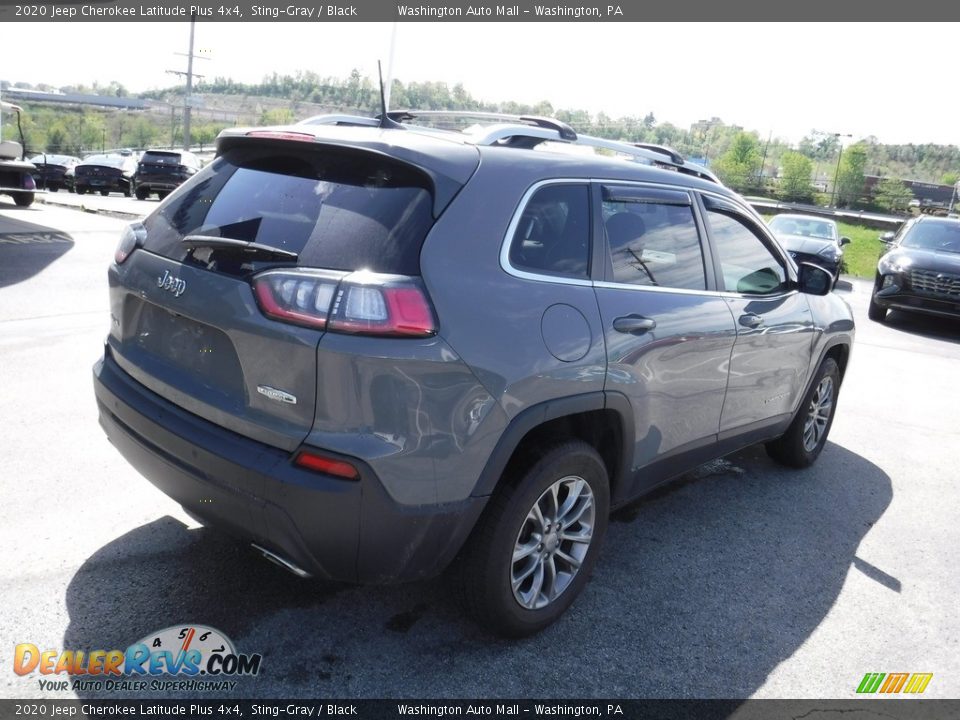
764 161
188 98
836 174
189 74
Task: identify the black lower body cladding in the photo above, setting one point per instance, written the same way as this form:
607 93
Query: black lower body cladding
332 528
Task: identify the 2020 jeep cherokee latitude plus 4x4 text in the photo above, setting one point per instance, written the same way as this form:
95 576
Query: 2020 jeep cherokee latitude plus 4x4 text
375 352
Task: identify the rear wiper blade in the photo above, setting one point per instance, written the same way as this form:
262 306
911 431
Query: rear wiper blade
243 246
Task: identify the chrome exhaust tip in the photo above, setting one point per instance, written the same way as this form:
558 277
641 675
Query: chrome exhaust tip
281 561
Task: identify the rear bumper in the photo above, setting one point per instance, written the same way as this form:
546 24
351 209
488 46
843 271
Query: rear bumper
112 184
158 182
336 529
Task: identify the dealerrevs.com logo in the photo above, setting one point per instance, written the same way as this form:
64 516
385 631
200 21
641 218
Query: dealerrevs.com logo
200 657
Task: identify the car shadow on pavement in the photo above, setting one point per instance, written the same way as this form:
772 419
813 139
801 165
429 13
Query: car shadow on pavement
701 591
928 326
27 248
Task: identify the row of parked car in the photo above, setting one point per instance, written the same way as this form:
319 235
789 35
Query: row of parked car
152 172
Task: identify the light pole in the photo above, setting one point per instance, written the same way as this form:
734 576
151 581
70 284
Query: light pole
836 174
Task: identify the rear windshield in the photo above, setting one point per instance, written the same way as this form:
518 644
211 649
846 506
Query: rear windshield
161 158
336 208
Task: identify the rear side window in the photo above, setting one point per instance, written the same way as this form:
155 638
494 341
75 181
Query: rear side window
553 234
338 209
653 238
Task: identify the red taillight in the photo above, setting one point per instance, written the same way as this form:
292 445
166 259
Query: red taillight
361 303
131 238
327 465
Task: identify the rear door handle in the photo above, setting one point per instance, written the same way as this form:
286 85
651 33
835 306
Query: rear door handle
751 321
634 324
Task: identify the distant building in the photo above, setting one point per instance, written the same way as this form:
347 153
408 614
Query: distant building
702 127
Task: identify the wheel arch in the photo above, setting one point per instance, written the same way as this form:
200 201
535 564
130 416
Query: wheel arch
602 420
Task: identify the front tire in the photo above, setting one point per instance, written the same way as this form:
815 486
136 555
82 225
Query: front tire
536 544
803 441
875 312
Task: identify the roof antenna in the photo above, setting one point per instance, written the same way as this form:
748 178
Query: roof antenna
385 120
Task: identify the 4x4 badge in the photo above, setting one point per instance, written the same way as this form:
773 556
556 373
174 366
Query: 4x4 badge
171 283
278 395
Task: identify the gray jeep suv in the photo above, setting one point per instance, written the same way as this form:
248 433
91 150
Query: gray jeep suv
376 352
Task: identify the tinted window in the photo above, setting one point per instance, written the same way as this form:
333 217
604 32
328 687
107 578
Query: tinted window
748 265
161 158
806 226
338 209
944 236
553 234
654 243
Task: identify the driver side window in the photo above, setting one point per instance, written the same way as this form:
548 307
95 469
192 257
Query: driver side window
748 265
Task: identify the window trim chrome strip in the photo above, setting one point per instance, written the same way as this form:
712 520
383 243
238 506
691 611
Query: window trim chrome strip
508 268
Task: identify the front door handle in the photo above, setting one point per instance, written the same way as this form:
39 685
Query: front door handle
751 320
634 324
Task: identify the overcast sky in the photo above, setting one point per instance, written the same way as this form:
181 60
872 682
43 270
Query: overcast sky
894 81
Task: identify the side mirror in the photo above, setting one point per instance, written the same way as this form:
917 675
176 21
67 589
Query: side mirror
844 241
814 280
887 237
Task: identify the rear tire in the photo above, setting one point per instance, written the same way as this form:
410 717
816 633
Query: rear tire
104 192
142 193
23 199
803 441
81 191
535 546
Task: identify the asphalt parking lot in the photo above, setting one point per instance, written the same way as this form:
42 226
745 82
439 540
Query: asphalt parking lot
742 580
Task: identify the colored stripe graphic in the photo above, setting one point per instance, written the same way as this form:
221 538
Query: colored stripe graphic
894 683
870 682
918 682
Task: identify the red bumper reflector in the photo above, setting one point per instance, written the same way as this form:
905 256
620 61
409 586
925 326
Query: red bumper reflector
327 465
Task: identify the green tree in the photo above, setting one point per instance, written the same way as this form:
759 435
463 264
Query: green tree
950 178
851 177
277 116
893 195
739 165
795 177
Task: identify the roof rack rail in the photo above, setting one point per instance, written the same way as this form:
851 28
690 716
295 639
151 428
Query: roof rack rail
528 131
527 136
674 156
568 133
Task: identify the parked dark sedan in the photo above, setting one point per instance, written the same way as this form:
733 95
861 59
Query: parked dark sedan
52 170
812 239
920 271
108 173
162 171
